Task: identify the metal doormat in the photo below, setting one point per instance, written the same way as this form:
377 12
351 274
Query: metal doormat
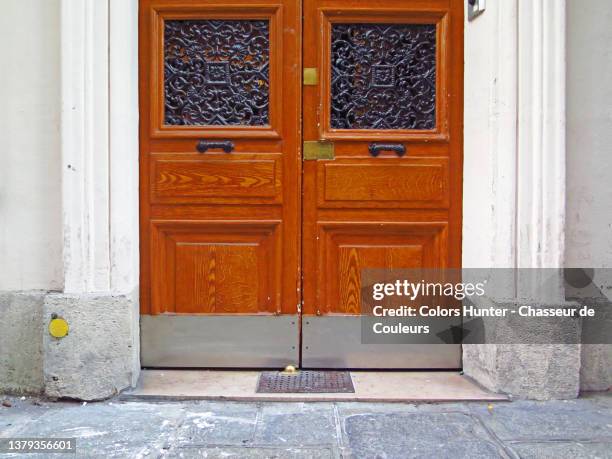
305 382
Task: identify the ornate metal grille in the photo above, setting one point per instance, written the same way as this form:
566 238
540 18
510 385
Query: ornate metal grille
216 72
305 382
383 76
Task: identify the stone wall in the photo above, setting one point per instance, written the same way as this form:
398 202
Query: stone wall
97 359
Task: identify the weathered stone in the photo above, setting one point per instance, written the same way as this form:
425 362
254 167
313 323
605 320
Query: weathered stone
13 418
525 371
555 429
543 371
217 424
539 372
110 430
21 342
596 367
99 357
251 453
440 435
570 420
564 450
296 424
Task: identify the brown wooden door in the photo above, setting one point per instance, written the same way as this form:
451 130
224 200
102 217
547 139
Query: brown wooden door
220 181
389 100
239 236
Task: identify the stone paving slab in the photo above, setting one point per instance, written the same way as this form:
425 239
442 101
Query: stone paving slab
297 424
440 435
559 450
578 420
16 416
252 453
219 429
217 424
108 430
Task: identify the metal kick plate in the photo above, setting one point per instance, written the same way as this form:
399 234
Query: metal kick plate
335 342
219 341
305 382
318 149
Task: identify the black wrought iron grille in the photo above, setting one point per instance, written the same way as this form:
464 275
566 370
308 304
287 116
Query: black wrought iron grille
216 72
383 76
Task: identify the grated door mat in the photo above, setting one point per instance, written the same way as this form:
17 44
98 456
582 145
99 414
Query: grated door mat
305 382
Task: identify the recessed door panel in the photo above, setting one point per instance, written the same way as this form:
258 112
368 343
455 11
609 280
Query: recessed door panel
410 183
217 179
209 267
346 248
220 179
389 100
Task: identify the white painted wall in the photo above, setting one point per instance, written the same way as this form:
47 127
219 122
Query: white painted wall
589 135
514 151
30 175
490 146
589 160
99 150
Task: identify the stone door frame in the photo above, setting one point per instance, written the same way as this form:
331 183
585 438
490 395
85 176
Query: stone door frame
514 186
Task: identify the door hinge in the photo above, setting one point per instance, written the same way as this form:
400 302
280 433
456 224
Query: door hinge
310 77
317 149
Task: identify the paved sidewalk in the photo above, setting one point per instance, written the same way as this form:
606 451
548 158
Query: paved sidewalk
561 429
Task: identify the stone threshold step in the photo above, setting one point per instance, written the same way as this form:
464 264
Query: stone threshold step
370 386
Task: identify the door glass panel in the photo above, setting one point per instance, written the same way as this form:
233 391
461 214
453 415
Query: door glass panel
383 76
216 72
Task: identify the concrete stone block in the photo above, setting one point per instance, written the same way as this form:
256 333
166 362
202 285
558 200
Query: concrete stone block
596 367
100 355
526 371
544 371
21 342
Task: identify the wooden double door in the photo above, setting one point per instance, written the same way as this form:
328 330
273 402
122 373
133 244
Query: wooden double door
285 146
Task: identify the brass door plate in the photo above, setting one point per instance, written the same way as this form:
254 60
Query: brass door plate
317 149
311 76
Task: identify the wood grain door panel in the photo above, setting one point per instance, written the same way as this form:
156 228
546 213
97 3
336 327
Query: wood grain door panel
254 232
220 230
216 179
210 267
346 248
410 183
391 72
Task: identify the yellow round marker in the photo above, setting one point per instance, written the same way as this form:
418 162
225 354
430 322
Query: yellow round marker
58 328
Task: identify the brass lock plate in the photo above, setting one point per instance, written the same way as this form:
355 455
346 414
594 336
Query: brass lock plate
317 149
310 77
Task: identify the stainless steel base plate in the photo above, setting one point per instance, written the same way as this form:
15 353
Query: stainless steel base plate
219 341
305 382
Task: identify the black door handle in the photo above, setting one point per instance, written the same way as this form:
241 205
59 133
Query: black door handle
204 145
375 148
